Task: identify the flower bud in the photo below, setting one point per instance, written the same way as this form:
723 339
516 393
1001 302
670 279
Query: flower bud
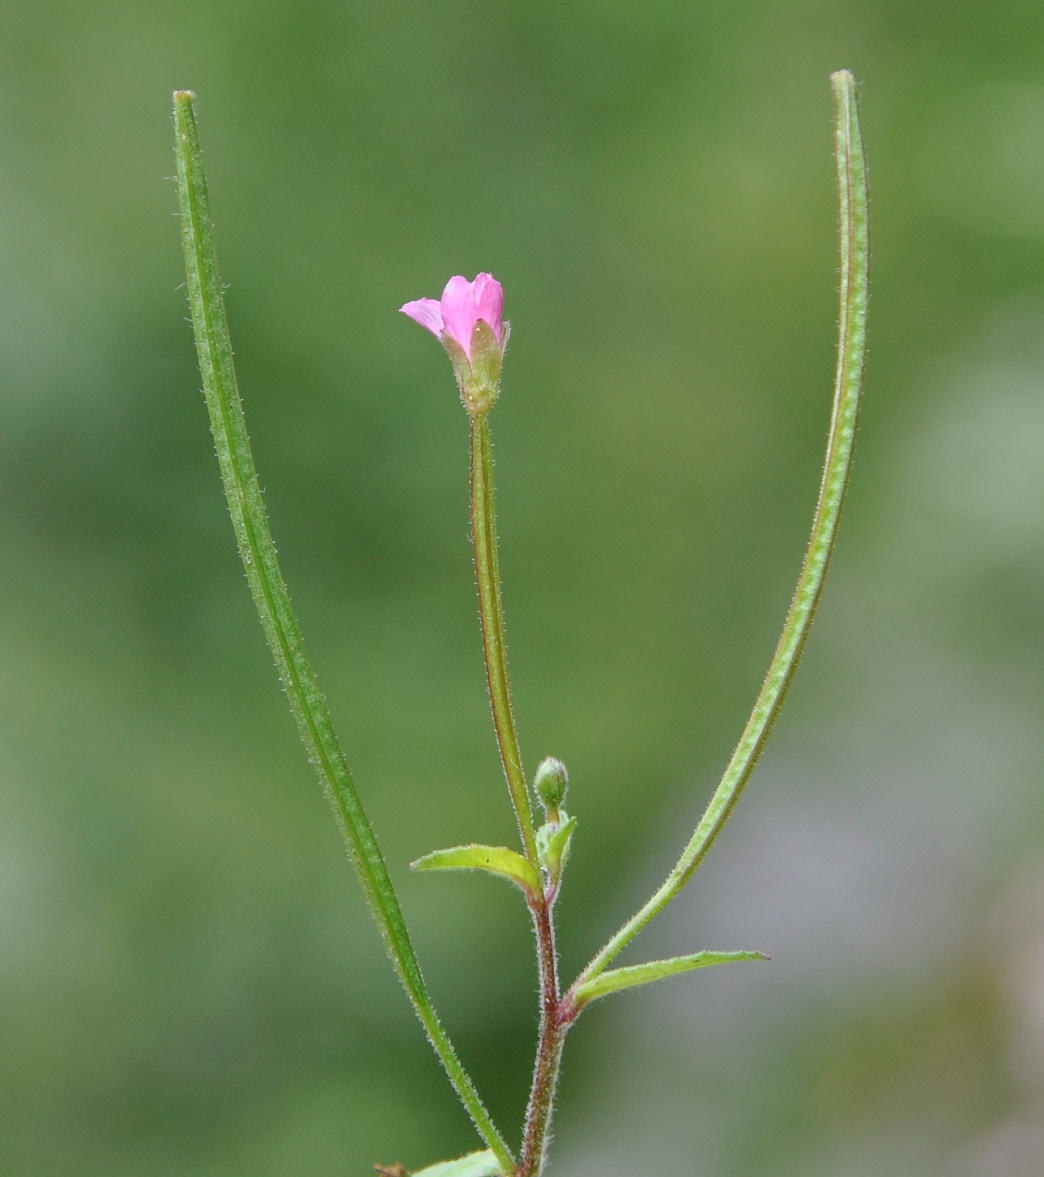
551 784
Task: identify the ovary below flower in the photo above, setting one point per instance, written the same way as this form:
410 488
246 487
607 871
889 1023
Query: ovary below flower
468 321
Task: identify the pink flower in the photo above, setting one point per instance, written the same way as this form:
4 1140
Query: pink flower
468 322
464 304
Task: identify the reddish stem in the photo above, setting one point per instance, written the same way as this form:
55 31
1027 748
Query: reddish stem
556 1016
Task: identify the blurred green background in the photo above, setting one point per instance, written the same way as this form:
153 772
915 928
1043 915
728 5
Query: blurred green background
189 984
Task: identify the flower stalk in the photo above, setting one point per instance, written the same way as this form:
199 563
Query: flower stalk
494 638
551 1034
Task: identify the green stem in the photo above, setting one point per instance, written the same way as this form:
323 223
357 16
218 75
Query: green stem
277 616
491 616
854 292
494 645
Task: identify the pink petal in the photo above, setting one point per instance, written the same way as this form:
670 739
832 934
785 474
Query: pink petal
459 313
489 298
427 312
464 303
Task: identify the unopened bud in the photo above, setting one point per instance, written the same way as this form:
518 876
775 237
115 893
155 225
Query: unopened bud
551 784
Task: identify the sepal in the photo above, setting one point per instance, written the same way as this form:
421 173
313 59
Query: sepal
479 379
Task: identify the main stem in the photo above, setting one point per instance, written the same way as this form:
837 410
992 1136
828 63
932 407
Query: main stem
494 644
554 1022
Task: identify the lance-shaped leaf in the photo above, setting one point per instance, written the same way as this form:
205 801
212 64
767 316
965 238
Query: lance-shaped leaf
553 841
497 860
641 974
475 1164
257 548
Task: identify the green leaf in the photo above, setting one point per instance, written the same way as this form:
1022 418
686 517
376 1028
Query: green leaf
497 860
475 1164
848 386
257 549
553 842
641 974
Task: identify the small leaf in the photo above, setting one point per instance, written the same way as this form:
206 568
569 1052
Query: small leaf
497 860
475 1164
641 974
553 842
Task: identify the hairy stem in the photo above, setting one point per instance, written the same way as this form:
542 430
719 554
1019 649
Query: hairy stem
257 549
541 903
536 1134
854 294
491 616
